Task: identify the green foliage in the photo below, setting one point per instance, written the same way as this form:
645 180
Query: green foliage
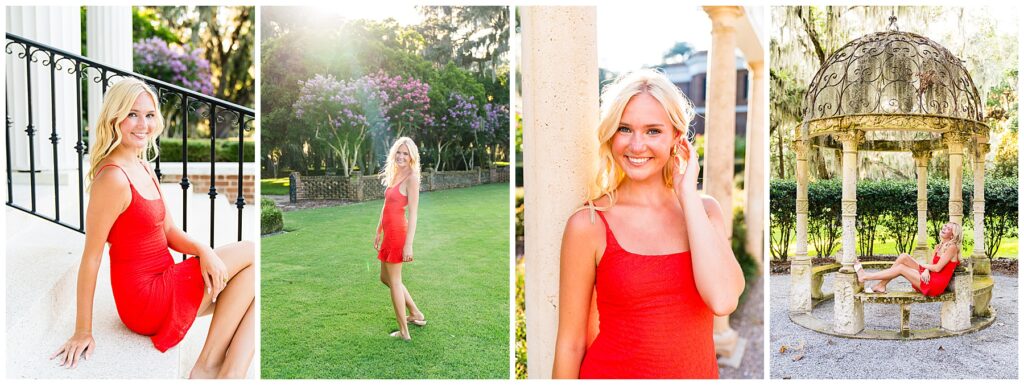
520 321
887 209
271 218
199 150
1006 156
147 23
750 266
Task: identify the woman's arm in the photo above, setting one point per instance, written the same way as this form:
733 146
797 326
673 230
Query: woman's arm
213 269
575 288
413 192
109 196
716 272
943 260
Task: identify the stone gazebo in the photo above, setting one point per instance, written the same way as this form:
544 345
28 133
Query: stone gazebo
897 92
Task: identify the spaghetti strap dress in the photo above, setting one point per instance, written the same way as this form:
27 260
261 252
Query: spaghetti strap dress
938 282
154 296
653 322
394 224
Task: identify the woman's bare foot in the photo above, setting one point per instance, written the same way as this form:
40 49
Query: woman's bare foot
203 371
878 288
417 319
398 334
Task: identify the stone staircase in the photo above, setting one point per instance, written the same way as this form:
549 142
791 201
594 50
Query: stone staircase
41 272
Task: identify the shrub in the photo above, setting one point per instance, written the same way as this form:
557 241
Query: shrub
227 150
782 204
271 219
198 150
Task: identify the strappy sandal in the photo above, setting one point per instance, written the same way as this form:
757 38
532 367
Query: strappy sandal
871 290
417 322
398 334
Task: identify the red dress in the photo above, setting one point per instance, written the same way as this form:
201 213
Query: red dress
653 322
936 285
394 224
154 296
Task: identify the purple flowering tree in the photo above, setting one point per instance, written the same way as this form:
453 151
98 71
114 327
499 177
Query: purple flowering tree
342 113
175 65
454 133
494 134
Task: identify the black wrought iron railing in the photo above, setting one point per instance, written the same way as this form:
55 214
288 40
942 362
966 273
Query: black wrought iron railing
178 104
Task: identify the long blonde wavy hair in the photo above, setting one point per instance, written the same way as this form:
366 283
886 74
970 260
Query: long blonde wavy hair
614 98
117 104
390 171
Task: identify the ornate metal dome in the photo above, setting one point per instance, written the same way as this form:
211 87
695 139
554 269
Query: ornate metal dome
900 89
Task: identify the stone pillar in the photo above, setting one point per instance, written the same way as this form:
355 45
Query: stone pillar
800 271
956 315
978 205
849 312
108 41
720 128
955 145
754 172
921 158
560 116
58 27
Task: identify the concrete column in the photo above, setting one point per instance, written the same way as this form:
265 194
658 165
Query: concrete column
955 145
800 271
720 131
58 27
956 315
921 158
560 115
978 204
754 172
849 312
108 41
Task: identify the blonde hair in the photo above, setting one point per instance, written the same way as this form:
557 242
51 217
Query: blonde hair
117 104
390 171
614 98
958 234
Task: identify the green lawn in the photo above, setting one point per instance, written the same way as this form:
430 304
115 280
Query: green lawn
275 186
325 314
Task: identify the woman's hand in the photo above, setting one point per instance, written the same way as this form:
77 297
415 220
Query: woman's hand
407 253
79 345
926 275
215 274
685 182
376 241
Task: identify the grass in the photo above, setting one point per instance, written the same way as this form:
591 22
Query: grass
325 314
274 186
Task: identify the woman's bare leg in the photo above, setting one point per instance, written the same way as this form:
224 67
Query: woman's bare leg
230 308
903 259
896 270
414 312
394 272
242 347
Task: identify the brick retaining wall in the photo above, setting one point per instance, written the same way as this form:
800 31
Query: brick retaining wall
358 187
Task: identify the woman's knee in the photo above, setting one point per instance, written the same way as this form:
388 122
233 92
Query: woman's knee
384 279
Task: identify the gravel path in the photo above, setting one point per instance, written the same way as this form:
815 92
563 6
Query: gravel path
989 353
749 322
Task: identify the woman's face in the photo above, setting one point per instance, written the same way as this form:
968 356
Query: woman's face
946 232
642 144
140 123
402 157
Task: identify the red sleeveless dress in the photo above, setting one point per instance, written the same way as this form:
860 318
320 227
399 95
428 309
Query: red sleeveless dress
653 322
394 224
938 282
154 296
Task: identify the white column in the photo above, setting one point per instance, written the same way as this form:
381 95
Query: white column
978 207
109 42
800 270
754 172
955 144
848 311
560 115
921 158
58 27
720 130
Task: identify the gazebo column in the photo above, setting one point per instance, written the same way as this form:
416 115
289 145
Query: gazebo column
849 311
921 158
980 264
956 315
800 269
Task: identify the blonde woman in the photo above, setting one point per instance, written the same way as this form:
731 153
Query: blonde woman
155 296
656 257
397 229
929 279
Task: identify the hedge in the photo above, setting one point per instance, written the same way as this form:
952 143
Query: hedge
885 210
199 150
271 219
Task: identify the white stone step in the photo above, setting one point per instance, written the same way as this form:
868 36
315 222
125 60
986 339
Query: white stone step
42 265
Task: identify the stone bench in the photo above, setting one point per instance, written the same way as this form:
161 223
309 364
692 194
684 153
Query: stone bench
904 299
818 276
